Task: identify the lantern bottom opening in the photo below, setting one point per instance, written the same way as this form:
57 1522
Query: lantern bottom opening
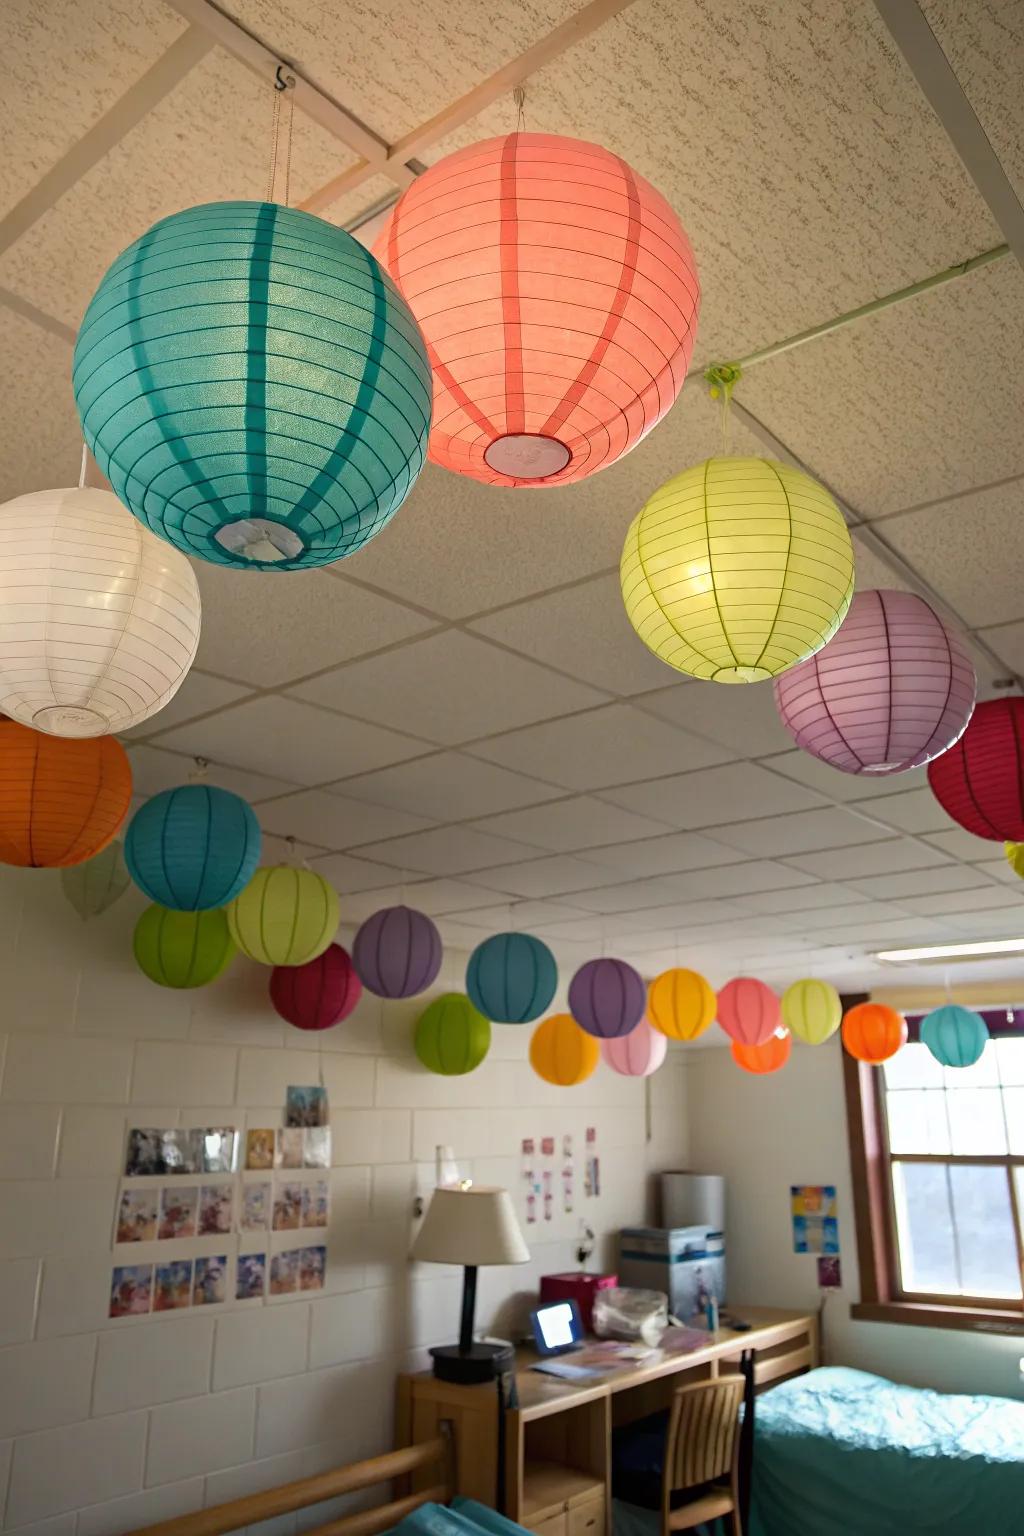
527 455
70 720
262 540
741 675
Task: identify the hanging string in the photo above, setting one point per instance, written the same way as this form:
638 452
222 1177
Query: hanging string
284 104
722 379
519 97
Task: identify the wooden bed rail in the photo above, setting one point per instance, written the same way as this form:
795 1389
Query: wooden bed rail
255 1507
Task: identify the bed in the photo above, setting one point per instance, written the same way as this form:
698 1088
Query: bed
839 1452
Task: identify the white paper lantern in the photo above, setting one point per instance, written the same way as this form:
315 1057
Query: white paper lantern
99 619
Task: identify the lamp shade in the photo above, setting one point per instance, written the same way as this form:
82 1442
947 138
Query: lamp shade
737 569
980 780
397 952
452 1037
193 847
892 689
558 296
561 1053
61 801
681 1004
811 1010
955 1036
607 998
182 949
99 620
470 1226
318 994
253 386
511 978
638 1054
748 1010
872 1032
94 886
284 916
762 1059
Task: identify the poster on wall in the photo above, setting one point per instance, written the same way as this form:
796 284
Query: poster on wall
814 1216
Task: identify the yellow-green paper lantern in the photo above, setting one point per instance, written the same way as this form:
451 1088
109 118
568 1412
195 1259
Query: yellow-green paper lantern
183 949
737 569
681 1004
285 916
452 1037
1015 857
812 1010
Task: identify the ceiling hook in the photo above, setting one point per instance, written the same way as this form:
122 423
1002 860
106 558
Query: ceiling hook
283 82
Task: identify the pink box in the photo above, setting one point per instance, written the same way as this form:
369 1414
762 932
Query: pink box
578 1287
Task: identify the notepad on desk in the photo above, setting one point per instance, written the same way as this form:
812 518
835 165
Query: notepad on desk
567 1372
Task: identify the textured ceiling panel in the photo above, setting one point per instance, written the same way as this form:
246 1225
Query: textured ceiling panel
984 42
35 387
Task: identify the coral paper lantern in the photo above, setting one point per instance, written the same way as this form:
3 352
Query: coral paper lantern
284 916
812 1010
737 569
558 296
980 780
61 801
872 1032
99 620
748 1010
561 1053
94 886
452 1037
253 386
892 689
638 1054
182 949
511 978
955 1036
193 847
318 994
681 1004
397 952
607 998
765 1058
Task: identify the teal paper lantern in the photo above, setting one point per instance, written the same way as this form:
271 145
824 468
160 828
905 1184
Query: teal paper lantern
254 386
192 848
955 1036
511 978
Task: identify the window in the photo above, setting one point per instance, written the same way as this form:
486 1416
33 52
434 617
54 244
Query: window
938 1164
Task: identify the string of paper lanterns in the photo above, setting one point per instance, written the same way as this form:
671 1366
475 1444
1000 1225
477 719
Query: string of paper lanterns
980 780
511 978
193 847
318 994
61 800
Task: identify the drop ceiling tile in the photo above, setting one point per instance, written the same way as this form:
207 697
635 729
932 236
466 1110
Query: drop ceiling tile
664 855
919 882
568 825
960 844
714 797
810 898
871 569
835 785
40 439
1007 640
591 929
558 876
1005 924
447 851
851 864
449 688
982 898
514 915
740 879
984 43
278 850
333 821
613 745
800 832
154 770
883 934
630 895
915 810
265 629
448 786
297 742
854 916
744 719
198 695
433 897
352 875
680 916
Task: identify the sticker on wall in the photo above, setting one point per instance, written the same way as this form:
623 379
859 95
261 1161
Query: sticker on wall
131 1290
568 1175
306 1107
830 1275
814 1216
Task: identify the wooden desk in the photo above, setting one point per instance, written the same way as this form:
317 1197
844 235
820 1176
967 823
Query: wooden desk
557 1442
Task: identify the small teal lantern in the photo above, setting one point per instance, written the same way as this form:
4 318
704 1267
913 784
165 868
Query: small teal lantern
955 1036
511 978
254 386
192 848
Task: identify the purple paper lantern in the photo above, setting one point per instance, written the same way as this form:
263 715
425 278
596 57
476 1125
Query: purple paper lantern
893 688
607 998
397 952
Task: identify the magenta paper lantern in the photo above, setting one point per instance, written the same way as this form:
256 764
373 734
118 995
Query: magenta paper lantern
637 1054
318 994
607 998
748 1010
397 952
893 688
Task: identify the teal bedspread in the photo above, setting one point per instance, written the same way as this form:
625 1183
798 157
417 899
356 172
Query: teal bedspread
841 1453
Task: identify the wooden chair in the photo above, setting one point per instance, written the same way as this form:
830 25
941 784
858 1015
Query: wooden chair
703 1447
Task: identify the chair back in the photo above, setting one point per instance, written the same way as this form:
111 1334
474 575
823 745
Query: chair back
703 1434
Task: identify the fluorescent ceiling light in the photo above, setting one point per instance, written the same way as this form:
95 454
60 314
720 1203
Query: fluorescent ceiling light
979 951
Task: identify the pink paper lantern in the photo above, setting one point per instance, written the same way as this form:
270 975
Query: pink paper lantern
637 1054
893 688
748 1010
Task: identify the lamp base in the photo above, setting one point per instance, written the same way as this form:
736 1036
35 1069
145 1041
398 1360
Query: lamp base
481 1362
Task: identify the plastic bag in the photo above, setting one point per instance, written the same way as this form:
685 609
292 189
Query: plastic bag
625 1313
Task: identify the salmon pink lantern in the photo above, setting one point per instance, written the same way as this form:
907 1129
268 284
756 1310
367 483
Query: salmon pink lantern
638 1054
748 1010
762 1059
980 781
557 293
318 994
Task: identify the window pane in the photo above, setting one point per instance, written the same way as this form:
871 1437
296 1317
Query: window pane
983 1074
1010 1056
913 1067
917 1120
984 1231
924 1227
1013 1104
976 1120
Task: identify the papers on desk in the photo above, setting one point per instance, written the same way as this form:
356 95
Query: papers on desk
680 1341
565 1371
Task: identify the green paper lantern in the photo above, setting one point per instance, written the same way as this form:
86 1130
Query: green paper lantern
94 886
183 949
254 386
285 916
452 1037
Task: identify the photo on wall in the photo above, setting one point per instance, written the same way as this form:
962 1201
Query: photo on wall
288 1208
284 1273
251 1277
256 1207
136 1216
316 1147
259 1150
178 1212
289 1148
312 1265
151 1152
173 1286
131 1290
219 1149
315 1197
210 1283
216 1209
306 1107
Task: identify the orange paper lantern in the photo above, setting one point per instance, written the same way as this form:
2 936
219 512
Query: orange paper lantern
748 1010
557 293
562 1053
681 1004
769 1057
873 1032
61 799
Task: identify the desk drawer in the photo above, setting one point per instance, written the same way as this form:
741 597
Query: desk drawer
587 1518
553 1525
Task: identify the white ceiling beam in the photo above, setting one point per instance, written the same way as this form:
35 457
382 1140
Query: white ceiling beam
948 100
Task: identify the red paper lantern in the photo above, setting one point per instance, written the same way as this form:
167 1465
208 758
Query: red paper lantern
748 1010
873 1032
980 780
557 293
318 994
760 1059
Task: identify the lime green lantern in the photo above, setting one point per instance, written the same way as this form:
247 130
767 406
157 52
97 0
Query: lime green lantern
452 1037
183 949
285 916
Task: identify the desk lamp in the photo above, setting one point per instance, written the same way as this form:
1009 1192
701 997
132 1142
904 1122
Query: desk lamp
470 1224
